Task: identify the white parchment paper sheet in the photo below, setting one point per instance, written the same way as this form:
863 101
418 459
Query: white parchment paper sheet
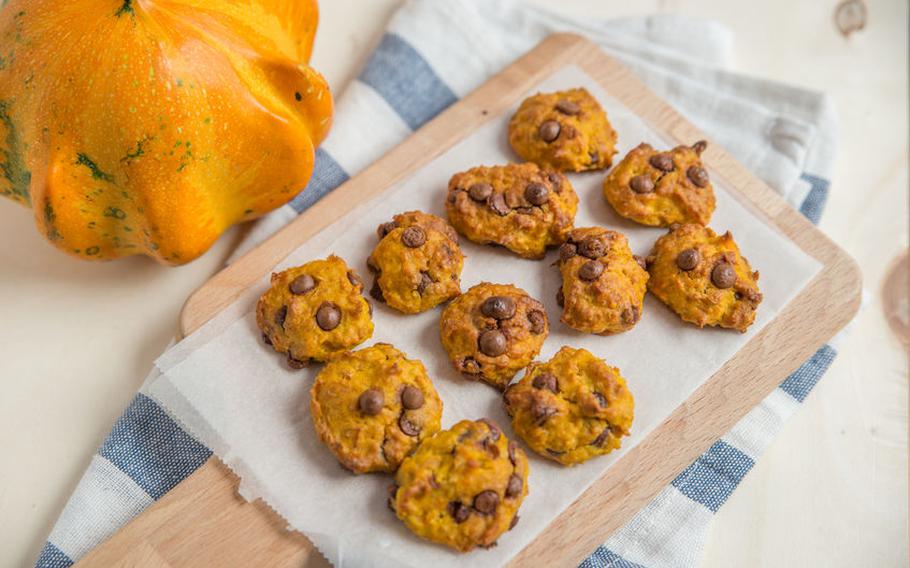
239 398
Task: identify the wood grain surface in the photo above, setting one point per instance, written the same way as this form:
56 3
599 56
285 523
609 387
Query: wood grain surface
204 522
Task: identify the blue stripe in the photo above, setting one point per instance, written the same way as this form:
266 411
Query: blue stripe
603 557
52 557
151 448
814 204
711 478
406 81
803 379
327 175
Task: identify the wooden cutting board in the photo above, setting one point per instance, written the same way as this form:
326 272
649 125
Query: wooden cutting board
204 522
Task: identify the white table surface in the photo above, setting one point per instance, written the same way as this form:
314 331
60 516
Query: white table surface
77 338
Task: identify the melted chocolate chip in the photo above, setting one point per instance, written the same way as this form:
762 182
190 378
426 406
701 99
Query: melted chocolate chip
385 229
480 191
411 398
376 291
266 339
354 279
590 270
546 381
302 284
328 316
698 176
513 488
458 511
662 162
537 193
280 315
497 203
699 147
641 184
567 251
541 411
601 438
538 321
413 237
498 307
723 275
408 427
568 107
371 402
492 343
688 259
549 131
601 399
486 502
297 363
425 281
592 247
495 432
560 298
512 449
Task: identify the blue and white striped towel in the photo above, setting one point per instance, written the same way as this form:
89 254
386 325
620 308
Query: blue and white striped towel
435 52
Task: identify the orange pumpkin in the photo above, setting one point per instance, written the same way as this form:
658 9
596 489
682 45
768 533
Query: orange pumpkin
151 126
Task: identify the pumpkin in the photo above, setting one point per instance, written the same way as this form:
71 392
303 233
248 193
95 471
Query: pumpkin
151 126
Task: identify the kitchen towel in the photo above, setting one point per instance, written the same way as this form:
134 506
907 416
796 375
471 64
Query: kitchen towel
433 53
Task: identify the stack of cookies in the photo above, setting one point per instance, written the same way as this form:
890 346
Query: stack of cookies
378 411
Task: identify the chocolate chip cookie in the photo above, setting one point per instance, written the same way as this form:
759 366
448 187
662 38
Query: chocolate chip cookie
417 263
567 131
492 331
373 406
703 277
462 487
519 206
315 311
661 188
603 284
571 408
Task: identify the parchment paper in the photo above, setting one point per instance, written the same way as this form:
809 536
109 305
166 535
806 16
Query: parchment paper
240 399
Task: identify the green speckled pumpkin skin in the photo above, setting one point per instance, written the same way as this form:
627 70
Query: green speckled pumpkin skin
151 126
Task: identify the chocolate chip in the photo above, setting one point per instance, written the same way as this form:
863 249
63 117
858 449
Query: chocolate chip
486 502
601 438
492 343
480 191
513 488
590 270
567 251
560 298
540 411
641 184
498 307
525 210
601 399
354 279
425 281
699 147
592 248
302 284
630 315
568 107
385 229
556 180
297 363
497 203
688 259
537 193
376 291
371 401
546 381
452 198
495 432
328 316
490 446
512 449
470 366
641 261
408 427
698 176
662 162
411 398
723 275
593 156
281 315
538 321
549 131
513 522
413 237
458 511
393 491
266 339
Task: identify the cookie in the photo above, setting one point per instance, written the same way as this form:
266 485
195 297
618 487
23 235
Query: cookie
603 284
519 206
315 311
703 277
572 408
417 263
661 188
566 131
373 407
492 331
462 487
